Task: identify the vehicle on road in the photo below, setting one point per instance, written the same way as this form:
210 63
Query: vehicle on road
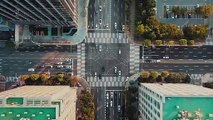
95 73
96 26
119 51
115 69
119 108
119 73
107 25
111 95
107 104
107 95
115 25
100 21
31 69
59 66
123 27
111 103
59 63
100 48
165 57
100 8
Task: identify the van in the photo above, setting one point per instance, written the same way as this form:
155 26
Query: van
31 69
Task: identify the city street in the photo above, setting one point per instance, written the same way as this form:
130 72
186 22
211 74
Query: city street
178 52
188 68
109 103
15 63
107 59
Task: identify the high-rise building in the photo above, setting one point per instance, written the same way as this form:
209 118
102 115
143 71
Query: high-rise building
175 102
38 103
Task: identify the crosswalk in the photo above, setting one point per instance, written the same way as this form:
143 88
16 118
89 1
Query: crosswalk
81 60
106 81
106 38
11 78
134 58
196 78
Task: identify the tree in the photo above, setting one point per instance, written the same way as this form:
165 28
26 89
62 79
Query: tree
87 106
140 29
191 42
147 42
207 10
74 80
60 77
145 74
173 31
154 74
44 77
34 77
164 74
159 42
24 77
182 42
171 42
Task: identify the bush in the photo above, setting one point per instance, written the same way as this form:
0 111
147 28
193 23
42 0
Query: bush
145 74
191 42
182 42
159 42
171 42
154 74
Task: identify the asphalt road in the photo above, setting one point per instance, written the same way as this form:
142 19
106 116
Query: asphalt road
104 62
194 68
15 63
104 14
107 107
178 52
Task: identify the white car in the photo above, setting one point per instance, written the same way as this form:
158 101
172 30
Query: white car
111 94
119 108
123 27
111 103
107 96
107 104
95 73
115 69
96 26
107 25
119 51
119 73
100 48
100 8
115 25
31 69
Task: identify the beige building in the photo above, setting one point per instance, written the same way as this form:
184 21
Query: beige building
39 103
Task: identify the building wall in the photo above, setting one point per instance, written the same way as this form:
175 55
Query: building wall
150 104
190 104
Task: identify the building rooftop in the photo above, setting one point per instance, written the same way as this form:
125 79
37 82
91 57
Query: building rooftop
53 92
178 90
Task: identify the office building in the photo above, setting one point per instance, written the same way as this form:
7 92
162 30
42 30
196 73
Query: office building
38 103
175 102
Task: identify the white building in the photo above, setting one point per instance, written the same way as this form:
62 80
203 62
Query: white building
39 103
175 102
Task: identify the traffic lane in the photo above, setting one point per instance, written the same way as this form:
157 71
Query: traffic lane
179 52
190 68
99 97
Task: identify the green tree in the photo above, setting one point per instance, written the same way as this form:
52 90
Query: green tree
191 42
34 77
44 77
154 74
60 77
173 31
207 10
171 42
24 77
145 74
182 42
147 42
140 29
87 106
159 42
164 74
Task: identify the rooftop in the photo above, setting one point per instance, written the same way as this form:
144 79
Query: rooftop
177 90
37 92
